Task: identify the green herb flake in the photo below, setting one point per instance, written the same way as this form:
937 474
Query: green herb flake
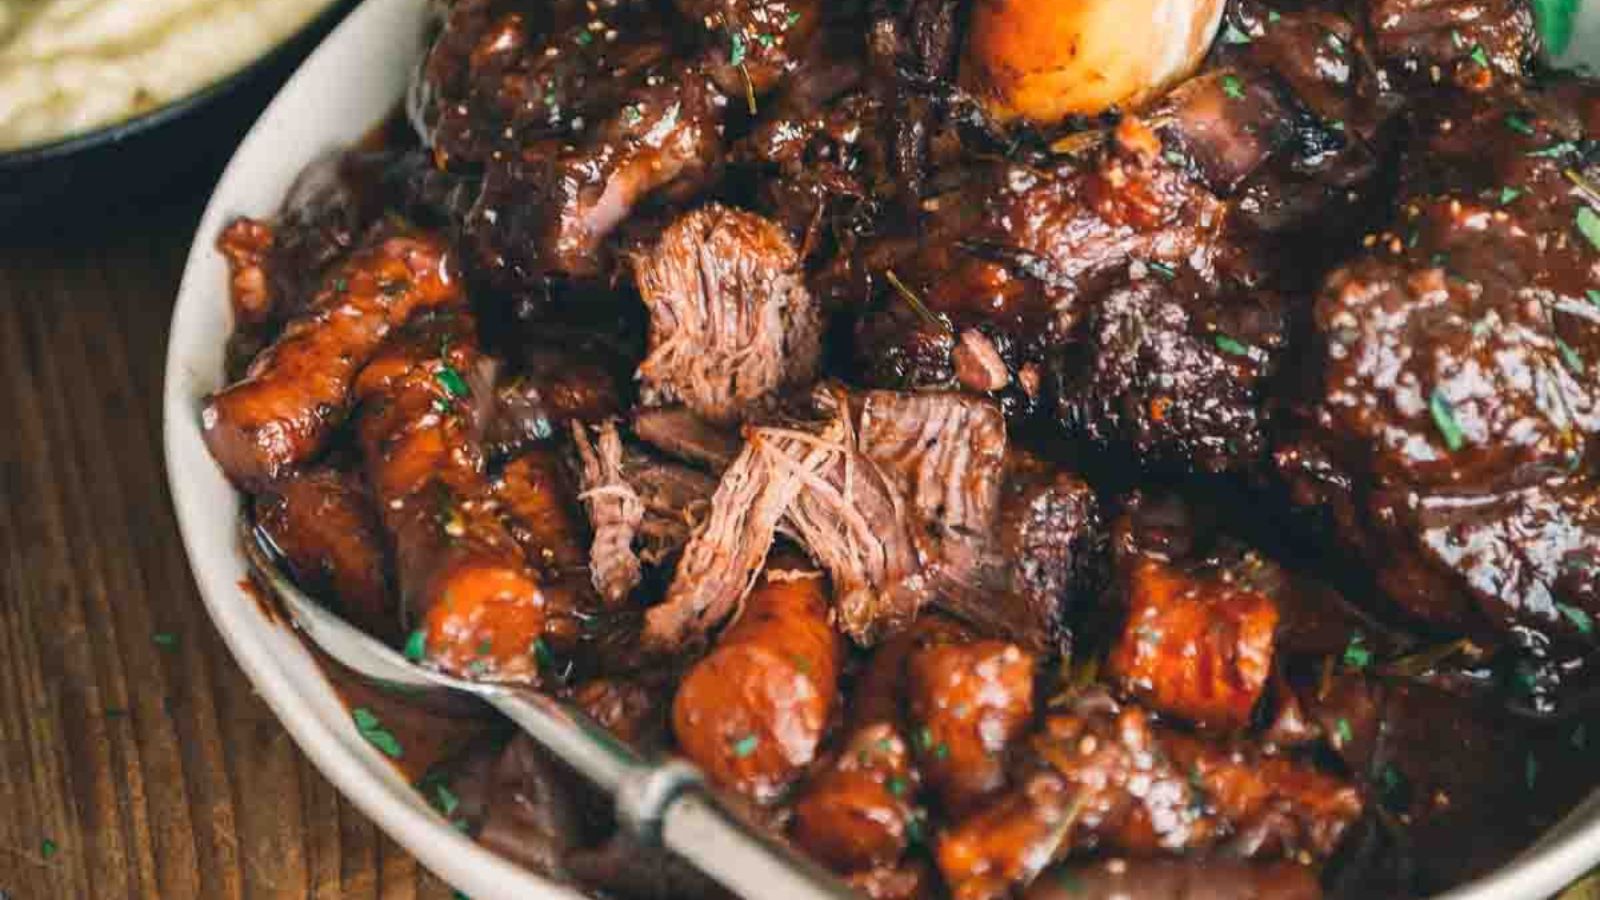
459 895
736 49
1455 39
1593 295
745 746
543 655
1356 654
417 646
1232 346
485 647
924 738
1336 43
116 712
1530 771
1231 34
340 285
1509 194
452 382
1392 785
631 115
584 38
1579 618
165 639
372 729
941 751
1273 15
1341 730
1233 87
1479 56
1519 125
1560 148
1580 736
1589 225
766 40
1444 418
446 800
1162 269
885 744
791 19
1175 158
1570 356
897 786
47 848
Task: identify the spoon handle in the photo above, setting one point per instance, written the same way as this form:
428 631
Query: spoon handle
666 803
703 831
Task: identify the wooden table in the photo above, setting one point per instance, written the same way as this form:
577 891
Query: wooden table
135 761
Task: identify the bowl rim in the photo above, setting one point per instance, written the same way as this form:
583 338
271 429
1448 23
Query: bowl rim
1563 854
133 126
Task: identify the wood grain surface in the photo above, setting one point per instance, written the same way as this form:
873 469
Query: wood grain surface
135 761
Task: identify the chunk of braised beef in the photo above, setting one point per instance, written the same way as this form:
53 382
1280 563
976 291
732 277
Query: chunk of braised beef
1168 879
731 320
1470 43
1176 373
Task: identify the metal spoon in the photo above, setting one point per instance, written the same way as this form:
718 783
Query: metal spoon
660 803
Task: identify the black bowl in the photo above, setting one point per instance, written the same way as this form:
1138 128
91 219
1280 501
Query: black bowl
190 138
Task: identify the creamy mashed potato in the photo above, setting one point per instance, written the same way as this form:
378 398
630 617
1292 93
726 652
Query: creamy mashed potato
69 66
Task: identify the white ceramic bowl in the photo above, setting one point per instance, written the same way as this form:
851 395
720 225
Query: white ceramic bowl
352 81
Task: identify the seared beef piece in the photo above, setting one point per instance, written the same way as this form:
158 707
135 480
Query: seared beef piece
530 813
640 507
1176 373
1177 879
1103 776
756 42
634 709
920 38
1465 786
1447 407
818 170
1015 247
680 433
551 388
731 319
1471 43
546 208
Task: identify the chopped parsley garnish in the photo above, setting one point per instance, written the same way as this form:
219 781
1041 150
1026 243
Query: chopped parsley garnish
1232 35
372 729
1589 224
885 744
1593 295
1233 87
1560 148
1273 15
165 639
1232 346
1392 786
1336 43
445 799
897 786
736 49
340 285
47 848
543 656
790 19
1162 269
924 738
1519 125
1530 770
417 646
1455 39
745 746
1579 618
584 38
452 382
1479 56
1174 157
1356 653
631 115
485 647
941 751
1341 730
1570 356
1509 194
1444 418
1580 736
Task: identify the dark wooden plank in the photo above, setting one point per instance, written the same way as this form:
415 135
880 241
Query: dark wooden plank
135 761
